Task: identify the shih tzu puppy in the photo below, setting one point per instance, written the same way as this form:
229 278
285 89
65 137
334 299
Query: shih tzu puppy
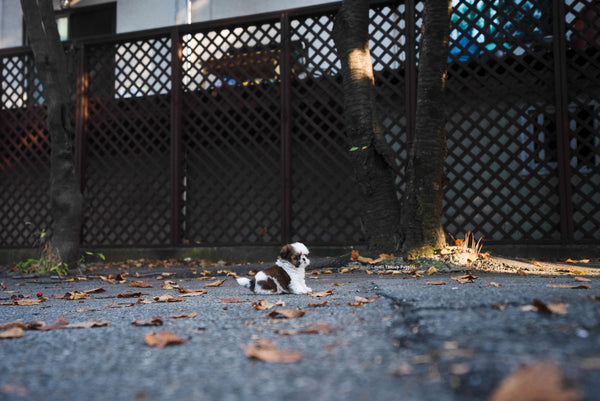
286 276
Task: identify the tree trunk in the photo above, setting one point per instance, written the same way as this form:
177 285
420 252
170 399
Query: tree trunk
421 223
369 153
52 67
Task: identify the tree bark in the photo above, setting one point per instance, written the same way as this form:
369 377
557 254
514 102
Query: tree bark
369 153
421 222
52 67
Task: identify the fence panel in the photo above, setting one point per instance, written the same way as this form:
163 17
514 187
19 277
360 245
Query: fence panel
236 135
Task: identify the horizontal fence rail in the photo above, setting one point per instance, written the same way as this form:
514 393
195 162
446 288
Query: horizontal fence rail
231 132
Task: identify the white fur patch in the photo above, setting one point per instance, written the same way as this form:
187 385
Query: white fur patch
297 280
300 248
244 282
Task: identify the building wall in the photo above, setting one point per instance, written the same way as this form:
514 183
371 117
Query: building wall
135 15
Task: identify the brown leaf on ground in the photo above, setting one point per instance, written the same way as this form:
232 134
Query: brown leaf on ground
163 338
115 278
360 301
436 283
582 279
60 323
88 325
215 283
183 315
539 306
95 291
287 313
521 272
467 278
318 304
14 332
169 285
233 300
12 325
318 294
266 351
262 304
155 321
27 302
192 293
569 260
75 295
140 284
130 295
543 381
319 328
167 298
575 287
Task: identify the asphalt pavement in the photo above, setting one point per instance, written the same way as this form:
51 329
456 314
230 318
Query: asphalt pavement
407 336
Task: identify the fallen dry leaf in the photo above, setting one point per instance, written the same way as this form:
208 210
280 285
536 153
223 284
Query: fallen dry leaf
582 279
75 295
60 323
521 272
232 300
167 298
543 381
577 261
163 338
140 284
287 313
155 321
467 278
319 328
580 286
318 304
95 291
360 301
539 306
266 351
130 295
88 325
169 285
436 283
262 304
431 271
215 283
14 332
319 294
183 315
192 293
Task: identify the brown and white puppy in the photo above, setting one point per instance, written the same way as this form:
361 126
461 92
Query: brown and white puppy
286 276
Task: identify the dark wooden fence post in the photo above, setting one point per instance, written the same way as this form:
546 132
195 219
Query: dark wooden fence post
286 128
410 77
562 121
176 136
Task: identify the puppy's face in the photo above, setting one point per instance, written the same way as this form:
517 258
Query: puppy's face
293 255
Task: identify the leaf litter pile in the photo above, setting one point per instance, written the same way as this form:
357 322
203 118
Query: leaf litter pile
266 350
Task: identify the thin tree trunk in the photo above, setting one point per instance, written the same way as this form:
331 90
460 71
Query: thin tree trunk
368 150
51 64
422 203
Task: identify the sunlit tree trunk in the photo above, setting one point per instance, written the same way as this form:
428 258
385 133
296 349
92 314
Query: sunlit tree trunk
422 203
369 153
52 67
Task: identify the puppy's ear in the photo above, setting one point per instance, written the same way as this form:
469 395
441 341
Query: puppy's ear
286 252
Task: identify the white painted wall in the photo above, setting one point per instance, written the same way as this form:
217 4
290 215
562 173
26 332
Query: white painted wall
135 15
11 23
